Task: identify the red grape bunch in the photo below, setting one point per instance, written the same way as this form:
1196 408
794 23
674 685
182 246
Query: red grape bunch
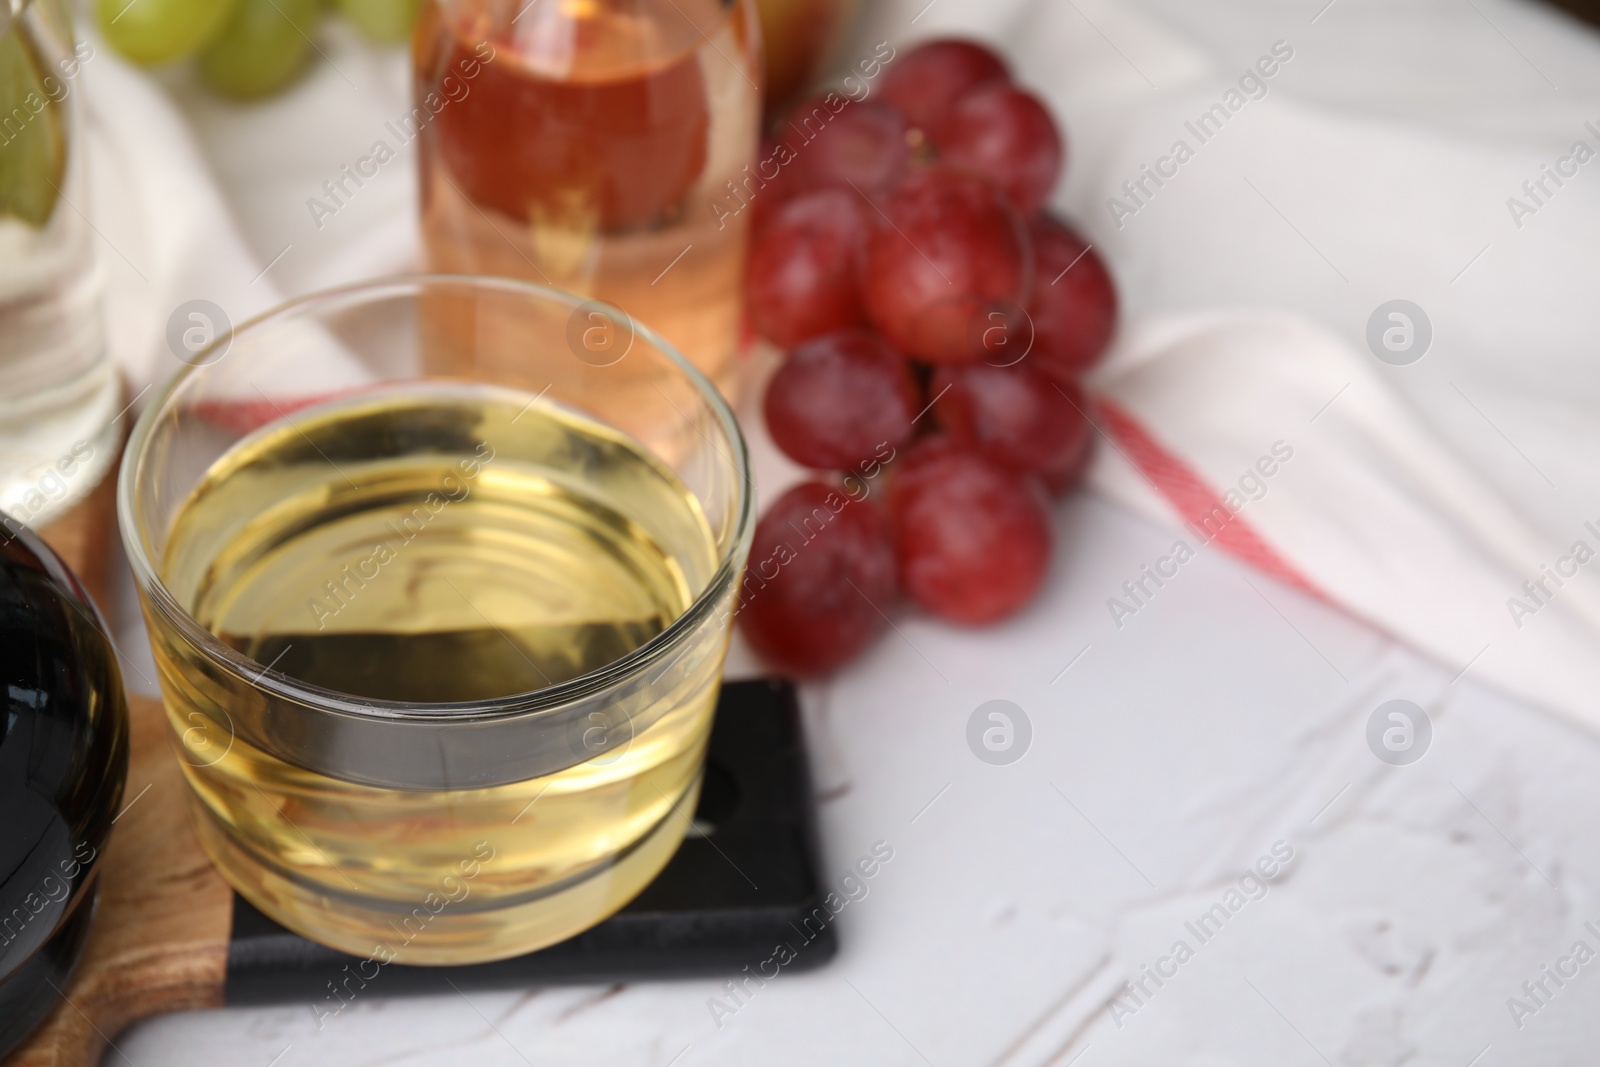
936 321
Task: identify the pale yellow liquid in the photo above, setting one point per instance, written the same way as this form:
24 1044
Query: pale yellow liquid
526 546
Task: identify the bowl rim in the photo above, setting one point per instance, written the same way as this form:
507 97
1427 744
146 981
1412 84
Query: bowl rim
334 702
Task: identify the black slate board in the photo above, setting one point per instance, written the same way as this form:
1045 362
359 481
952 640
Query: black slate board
723 902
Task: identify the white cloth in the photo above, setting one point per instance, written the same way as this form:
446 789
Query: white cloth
196 197
1378 166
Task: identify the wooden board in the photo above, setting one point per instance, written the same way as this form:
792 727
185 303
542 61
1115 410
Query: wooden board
164 931
171 936
159 942
85 537
159 939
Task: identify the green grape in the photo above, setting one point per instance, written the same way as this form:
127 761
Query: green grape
151 32
384 21
262 48
33 149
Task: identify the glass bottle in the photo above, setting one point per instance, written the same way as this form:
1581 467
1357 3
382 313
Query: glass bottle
59 390
588 145
63 764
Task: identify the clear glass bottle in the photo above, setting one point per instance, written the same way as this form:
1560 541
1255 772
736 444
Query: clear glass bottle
59 389
585 143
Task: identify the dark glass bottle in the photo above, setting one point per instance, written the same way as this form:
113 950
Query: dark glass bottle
63 762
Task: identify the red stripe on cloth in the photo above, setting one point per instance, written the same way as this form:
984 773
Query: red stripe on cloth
246 416
1199 505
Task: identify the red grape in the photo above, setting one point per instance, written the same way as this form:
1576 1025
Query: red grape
776 183
1074 310
1065 471
1004 135
947 253
801 281
864 145
1016 416
973 537
1063 479
839 400
821 569
925 82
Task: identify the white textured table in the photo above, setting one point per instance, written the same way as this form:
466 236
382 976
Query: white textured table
1167 758
1164 763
